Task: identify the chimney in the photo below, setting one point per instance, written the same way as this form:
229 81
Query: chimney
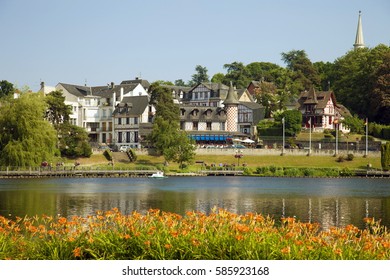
121 94
113 99
112 84
42 85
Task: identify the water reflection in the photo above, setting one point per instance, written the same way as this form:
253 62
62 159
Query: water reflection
331 202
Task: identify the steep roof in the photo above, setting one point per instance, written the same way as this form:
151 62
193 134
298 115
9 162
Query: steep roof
311 97
79 91
320 100
359 41
144 83
132 105
231 98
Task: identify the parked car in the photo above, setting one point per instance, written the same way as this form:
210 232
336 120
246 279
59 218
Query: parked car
238 146
124 148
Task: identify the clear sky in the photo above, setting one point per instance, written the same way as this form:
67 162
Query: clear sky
74 41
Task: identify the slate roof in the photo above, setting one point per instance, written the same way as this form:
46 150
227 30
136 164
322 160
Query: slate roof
100 91
132 105
186 113
231 98
144 83
79 91
320 98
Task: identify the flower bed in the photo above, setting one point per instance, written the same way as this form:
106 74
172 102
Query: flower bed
161 235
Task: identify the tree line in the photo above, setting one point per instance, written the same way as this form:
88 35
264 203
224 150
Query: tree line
360 80
35 128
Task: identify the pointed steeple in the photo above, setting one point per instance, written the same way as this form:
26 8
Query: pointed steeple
231 98
311 97
359 41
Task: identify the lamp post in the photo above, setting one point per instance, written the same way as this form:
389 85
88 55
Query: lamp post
309 136
366 155
283 122
238 155
336 121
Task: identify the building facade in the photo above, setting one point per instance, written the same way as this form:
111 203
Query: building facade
321 111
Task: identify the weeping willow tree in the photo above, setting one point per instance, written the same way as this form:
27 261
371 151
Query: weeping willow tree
26 138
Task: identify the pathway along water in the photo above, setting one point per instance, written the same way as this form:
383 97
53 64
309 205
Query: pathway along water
331 202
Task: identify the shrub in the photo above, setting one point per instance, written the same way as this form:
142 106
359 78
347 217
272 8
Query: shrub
107 154
340 159
350 157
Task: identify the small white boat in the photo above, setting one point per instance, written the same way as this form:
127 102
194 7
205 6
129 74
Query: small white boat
158 174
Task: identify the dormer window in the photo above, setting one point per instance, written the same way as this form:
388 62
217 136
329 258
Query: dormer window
195 112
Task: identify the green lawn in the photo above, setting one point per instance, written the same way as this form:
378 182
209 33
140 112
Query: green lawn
251 161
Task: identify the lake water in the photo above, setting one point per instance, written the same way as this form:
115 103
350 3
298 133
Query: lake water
331 202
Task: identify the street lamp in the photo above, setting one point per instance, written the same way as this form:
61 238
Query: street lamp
283 122
309 136
336 122
238 155
366 155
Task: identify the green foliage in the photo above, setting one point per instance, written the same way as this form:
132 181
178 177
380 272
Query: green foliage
275 171
385 156
57 112
355 124
361 79
132 155
350 157
158 235
379 130
293 122
236 73
200 76
6 89
74 141
166 136
303 70
27 138
107 154
218 78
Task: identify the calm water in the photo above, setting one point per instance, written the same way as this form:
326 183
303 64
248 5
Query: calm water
331 202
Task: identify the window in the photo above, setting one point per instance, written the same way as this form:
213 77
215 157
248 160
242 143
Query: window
136 136
208 126
195 126
127 120
119 120
120 137
128 137
104 138
136 120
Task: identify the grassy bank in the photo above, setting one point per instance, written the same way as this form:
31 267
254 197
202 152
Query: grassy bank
267 165
160 235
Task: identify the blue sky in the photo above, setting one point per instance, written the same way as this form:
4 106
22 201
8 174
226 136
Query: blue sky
97 41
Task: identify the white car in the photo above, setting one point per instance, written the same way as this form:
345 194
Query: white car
124 148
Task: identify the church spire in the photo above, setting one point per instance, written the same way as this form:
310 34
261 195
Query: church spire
359 41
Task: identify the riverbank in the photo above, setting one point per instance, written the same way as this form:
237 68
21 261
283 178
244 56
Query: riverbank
211 162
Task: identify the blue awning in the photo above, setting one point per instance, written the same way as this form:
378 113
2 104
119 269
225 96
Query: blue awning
207 137
212 138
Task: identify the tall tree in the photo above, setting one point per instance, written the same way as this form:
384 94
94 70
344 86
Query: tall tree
236 73
57 112
74 141
27 138
6 88
380 95
166 135
302 67
200 76
357 75
218 78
